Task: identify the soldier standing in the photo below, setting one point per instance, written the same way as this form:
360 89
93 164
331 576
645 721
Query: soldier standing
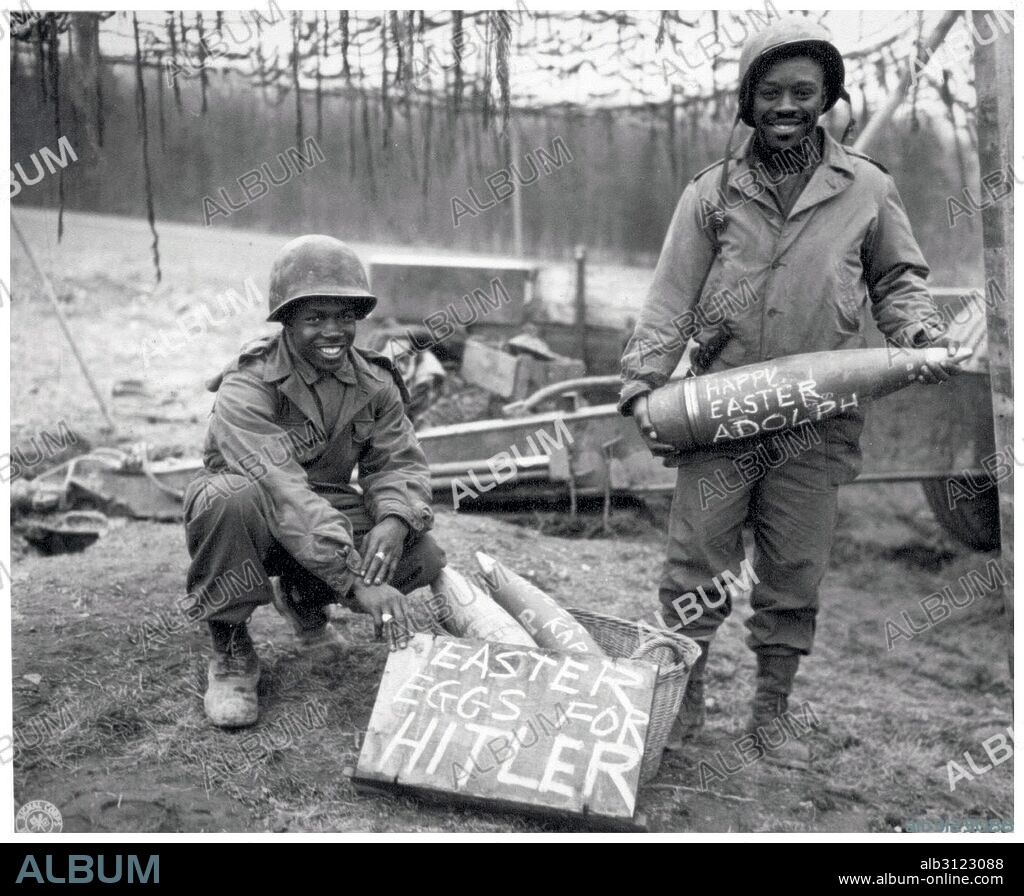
812 230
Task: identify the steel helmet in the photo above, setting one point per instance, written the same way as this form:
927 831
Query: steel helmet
317 265
791 36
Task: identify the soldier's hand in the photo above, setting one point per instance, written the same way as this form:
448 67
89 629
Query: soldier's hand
382 549
394 614
642 416
941 371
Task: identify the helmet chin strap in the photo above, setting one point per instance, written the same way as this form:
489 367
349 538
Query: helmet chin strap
718 220
852 123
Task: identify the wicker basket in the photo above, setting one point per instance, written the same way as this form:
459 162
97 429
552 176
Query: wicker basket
674 656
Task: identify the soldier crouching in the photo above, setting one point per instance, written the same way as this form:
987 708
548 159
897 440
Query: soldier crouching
295 414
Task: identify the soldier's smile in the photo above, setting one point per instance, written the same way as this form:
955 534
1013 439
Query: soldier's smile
784 128
322 329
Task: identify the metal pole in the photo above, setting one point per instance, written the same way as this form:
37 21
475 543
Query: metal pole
62 320
993 79
581 306
517 196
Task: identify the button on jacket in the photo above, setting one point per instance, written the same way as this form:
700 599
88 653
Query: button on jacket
268 424
781 285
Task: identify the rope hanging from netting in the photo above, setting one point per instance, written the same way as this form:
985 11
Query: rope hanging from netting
488 62
669 70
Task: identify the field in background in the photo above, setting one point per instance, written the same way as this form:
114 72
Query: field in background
109 717
616 196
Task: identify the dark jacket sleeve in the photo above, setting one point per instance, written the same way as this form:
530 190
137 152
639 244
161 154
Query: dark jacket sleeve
252 444
895 271
393 471
663 328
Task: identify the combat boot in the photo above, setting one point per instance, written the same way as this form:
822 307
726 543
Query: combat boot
324 641
232 676
314 630
769 722
690 719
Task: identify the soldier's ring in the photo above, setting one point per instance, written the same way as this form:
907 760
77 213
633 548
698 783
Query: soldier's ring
380 555
387 618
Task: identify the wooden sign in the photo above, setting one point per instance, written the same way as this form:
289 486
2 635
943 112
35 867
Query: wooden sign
511 727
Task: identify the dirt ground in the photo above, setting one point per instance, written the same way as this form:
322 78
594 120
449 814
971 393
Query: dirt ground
108 715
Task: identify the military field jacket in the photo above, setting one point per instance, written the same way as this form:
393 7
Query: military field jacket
267 425
780 285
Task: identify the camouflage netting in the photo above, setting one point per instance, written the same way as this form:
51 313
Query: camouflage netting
666 70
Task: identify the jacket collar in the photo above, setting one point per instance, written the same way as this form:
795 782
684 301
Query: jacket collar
834 154
833 174
286 369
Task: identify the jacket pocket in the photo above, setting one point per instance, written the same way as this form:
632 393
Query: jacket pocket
849 298
362 426
842 447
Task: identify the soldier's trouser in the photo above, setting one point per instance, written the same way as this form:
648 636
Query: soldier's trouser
789 496
234 554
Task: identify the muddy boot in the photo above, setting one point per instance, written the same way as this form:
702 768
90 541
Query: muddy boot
315 632
690 720
769 723
233 672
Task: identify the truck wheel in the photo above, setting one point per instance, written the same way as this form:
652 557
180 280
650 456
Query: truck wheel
973 522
